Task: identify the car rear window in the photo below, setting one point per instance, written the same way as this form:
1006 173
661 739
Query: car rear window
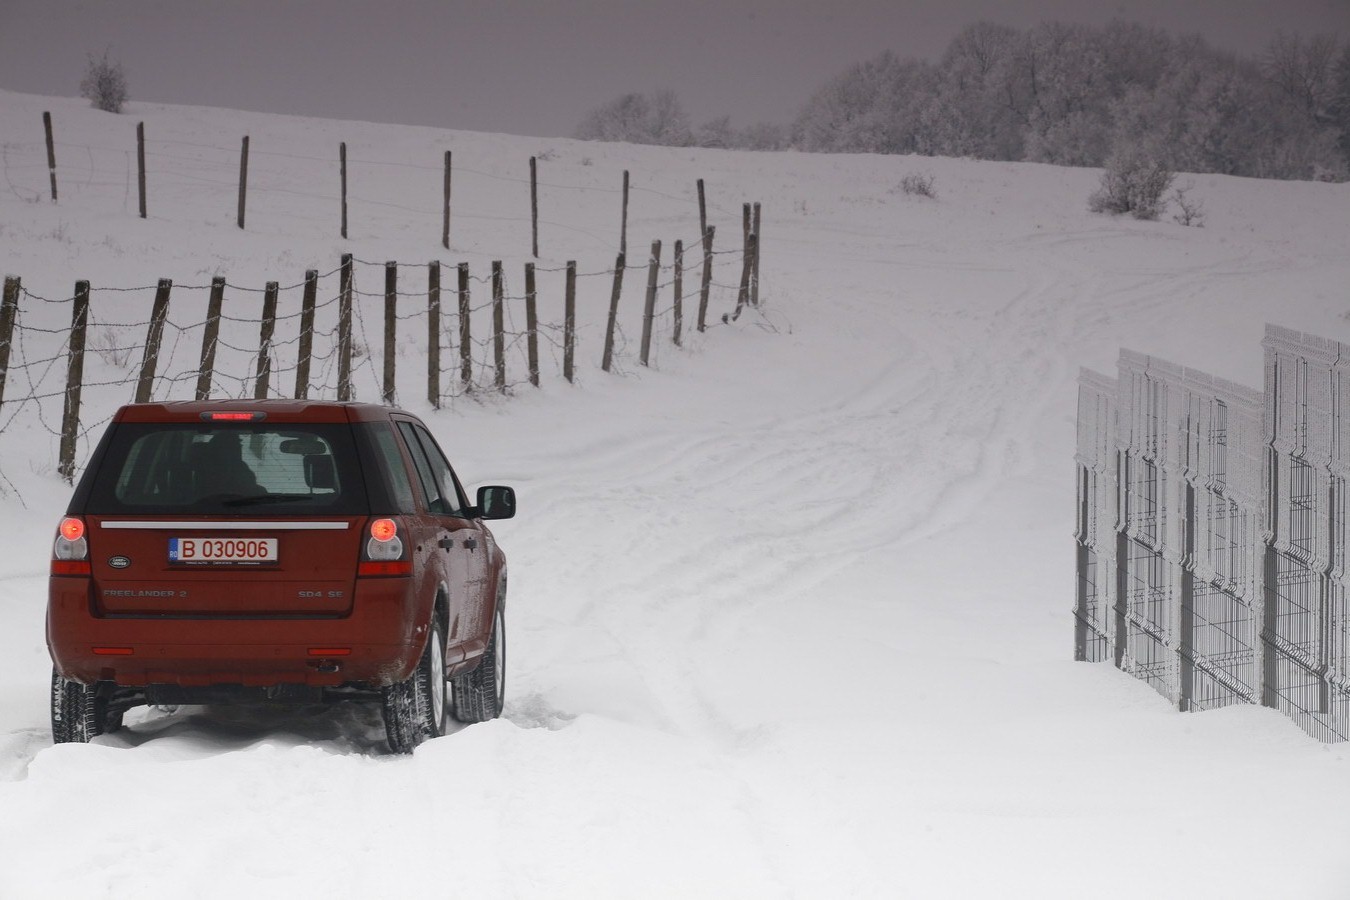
215 469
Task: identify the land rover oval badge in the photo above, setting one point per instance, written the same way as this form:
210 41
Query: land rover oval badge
119 562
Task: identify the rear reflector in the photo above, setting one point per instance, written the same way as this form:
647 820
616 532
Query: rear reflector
330 651
369 569
70 567
113 651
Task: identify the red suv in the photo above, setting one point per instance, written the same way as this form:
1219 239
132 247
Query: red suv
276 550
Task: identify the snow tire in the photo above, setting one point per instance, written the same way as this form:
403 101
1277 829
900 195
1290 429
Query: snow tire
417 709
480 694
79 711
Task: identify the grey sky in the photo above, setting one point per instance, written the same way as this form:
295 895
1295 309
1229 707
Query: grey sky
536 66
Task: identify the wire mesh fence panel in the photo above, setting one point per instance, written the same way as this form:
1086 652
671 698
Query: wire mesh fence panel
1230 520
1299 621
1221 609
1150 577
1096 514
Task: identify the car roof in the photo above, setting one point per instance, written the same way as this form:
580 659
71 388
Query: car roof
288 411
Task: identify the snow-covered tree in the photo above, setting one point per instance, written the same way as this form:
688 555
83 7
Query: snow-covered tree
873 107
763 136
1304 70
716 133
639 119
104 84
968 111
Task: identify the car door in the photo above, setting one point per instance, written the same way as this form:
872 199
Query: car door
459 538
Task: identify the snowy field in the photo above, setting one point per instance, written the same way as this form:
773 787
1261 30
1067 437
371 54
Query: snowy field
790 611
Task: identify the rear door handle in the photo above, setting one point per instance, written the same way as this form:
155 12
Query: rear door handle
446 543
471 544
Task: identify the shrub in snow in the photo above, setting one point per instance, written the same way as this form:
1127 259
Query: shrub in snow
104 343
1192 212
104 84
918 185
1134 182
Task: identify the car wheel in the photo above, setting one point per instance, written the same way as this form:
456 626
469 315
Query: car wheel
79 712
416 710
480 695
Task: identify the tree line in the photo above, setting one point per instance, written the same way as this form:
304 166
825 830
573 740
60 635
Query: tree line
1058 93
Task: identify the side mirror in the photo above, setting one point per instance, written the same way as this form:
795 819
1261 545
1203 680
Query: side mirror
496 501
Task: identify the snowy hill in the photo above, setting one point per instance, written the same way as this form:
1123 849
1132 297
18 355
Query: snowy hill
790 610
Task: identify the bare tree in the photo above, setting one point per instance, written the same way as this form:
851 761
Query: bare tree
1305 71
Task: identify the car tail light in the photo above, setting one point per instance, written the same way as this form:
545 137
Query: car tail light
384 553
233 416
384 530
70 553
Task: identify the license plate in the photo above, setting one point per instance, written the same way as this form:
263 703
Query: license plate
200 551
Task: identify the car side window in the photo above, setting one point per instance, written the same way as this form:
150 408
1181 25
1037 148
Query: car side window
430 489
445 475
437 481
395 472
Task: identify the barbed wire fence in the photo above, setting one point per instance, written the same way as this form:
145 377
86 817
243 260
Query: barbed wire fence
323 336
327 337
222 177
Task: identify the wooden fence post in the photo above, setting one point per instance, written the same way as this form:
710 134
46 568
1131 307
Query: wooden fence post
570 321
345 329
679 290
465 335
70 414
51 151
150 357
747 263
531 325
608 358
445 222
209 337
243 179
754 265
262 384
434 334
534 208
649 308
390 324
702 210
623 224
140 162
706 287
306 350
342 166
8 312
498 326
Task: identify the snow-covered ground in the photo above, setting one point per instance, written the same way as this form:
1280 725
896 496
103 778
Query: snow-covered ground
790 611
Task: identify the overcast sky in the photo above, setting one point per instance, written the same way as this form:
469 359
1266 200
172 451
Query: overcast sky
537 66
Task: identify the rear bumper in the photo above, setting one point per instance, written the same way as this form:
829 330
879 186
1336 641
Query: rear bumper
377 644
